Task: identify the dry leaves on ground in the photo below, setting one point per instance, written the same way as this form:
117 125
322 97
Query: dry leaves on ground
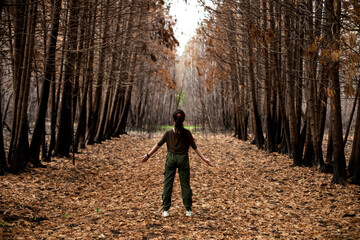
109 194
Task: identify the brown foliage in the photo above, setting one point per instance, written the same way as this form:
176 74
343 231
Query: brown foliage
109 194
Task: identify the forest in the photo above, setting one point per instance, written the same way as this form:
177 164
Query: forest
70 70
281 76
284 74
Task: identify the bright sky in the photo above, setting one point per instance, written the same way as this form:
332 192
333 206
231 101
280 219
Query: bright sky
187 16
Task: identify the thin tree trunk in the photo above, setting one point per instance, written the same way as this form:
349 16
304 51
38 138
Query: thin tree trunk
105 129
82 118
64 137
120 96
258 133
293 125
352 114
124 115
308 146
87 36
95 123
49 72
231 37
270 145
3 166
354 163
87 24
330 147
244 115
334 9
100 133
90 76
24 42
55 93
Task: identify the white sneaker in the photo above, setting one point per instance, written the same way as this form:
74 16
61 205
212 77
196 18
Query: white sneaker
165 214
189 213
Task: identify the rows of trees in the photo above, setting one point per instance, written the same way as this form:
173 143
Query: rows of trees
285 70
79 72
70 70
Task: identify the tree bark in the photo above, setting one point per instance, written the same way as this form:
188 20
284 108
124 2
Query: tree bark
120 95
124 115
293 125
354 163
39 128
96 114
104 131
270 145
65 136
258 133
55 92
352 114
231 38
25 16
3 166
333 8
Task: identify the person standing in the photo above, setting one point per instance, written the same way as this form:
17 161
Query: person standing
178 141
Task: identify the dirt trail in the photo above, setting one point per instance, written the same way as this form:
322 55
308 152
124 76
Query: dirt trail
109 195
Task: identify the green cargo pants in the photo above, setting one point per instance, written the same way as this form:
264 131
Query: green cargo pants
173 162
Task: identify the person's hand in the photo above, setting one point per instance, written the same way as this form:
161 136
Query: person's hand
144 158
208 162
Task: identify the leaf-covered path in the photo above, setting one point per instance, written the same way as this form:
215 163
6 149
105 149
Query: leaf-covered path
108 194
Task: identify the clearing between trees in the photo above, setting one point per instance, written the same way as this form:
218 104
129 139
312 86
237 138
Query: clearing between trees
109 194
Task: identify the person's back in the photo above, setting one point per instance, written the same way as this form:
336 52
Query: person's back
178 141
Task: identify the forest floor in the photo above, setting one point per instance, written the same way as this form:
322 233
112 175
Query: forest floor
109 194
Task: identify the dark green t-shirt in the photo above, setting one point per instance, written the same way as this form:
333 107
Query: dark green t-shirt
178 144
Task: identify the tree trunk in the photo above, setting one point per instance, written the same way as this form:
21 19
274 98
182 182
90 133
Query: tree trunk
313 104
89 75
65 136
120 96
80 131
124 115
231 38
352 114
100 133
308 146
96 115
55 93
258 133
49 72
87 27
293 125
25 16
3 166
270 145
333 18
330 147
354 163
105 128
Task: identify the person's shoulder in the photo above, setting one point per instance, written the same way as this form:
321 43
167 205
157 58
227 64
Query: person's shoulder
188 132
166 135
168 132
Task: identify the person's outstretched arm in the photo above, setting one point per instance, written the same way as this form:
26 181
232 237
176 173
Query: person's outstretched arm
199 153
148 155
